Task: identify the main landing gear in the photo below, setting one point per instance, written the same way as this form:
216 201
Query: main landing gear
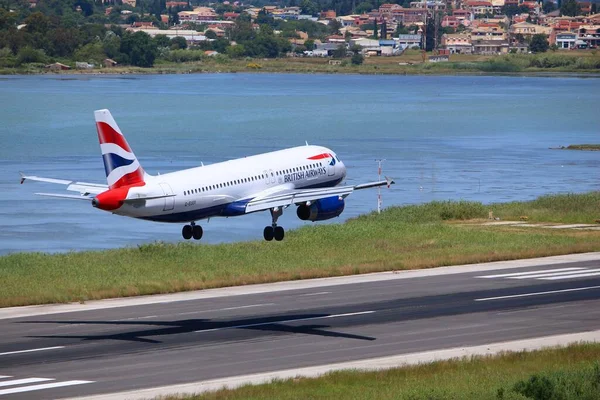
274 231
192 231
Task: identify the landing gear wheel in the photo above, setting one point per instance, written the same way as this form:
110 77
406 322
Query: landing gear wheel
279 233
197 232
268 233
187 232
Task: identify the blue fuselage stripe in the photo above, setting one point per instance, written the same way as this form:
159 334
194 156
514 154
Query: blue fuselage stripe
219 211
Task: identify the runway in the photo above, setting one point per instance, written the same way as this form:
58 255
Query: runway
134 344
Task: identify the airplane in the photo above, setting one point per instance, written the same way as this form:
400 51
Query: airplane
305 176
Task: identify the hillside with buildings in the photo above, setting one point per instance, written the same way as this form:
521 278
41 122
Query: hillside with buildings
86 34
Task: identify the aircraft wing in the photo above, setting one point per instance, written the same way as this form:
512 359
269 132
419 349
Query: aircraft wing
84 188
297 196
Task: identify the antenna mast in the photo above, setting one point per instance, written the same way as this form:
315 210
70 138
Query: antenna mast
379 162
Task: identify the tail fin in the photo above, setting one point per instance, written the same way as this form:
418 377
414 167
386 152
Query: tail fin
121 165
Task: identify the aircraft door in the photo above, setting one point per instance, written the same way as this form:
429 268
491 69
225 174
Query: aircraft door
169 201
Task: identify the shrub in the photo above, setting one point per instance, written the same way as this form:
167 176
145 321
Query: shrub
253 65
30 55
185 55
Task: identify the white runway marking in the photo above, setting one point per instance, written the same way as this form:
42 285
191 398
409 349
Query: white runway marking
581 275
25 381
538 293
313 294
227 309
31 350
518 274
42 386
285 321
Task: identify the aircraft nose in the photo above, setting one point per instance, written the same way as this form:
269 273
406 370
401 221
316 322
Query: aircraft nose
342 169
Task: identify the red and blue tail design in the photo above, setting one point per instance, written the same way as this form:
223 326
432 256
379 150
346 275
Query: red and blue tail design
121 166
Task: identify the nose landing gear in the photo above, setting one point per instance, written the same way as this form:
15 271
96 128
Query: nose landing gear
192 231
274 231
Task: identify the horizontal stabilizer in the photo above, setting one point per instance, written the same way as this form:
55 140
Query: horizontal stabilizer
84 188
65 196
136 199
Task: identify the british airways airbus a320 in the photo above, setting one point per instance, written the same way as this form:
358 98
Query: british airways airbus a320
305 176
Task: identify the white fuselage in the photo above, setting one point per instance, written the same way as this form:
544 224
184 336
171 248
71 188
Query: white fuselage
216 189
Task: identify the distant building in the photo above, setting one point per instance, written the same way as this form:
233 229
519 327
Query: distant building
328 15
457 43
199 14
490 46
109 63
589 35
527 30
565 40
408 41
58 67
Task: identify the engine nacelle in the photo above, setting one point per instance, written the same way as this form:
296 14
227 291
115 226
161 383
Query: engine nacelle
320 210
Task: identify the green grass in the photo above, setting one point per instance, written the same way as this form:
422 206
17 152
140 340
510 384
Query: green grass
399 238
193 61
593 147
565 208
571 373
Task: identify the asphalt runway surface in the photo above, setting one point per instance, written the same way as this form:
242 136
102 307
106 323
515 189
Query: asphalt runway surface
127 348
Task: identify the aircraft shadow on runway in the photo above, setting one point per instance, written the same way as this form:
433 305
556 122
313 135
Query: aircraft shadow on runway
276 324
393 310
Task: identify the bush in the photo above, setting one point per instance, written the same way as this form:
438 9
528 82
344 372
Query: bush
7 59
253 65
30 55
357 59
185 55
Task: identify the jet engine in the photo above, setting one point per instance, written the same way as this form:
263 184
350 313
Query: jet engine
322 209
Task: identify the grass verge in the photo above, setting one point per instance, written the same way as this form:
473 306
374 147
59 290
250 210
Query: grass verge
409 63
571 373
399 238
591 147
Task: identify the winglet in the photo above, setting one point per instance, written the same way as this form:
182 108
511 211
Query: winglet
389 181
23 177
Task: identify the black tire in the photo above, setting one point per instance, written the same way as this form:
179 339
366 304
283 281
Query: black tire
279 233
197 232
268 233
187 232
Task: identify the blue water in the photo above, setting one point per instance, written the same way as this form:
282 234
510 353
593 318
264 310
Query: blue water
457 137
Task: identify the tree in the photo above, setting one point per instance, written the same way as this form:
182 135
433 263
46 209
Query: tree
375 33
30 55
210 34
539 43
262 18
309 8
340 52
429 35
570 8
363 8
357 59
334 26
236 51
309 44
162 41
401 29
178 42
548 7
139 48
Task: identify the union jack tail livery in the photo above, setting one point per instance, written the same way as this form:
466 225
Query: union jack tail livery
121 165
